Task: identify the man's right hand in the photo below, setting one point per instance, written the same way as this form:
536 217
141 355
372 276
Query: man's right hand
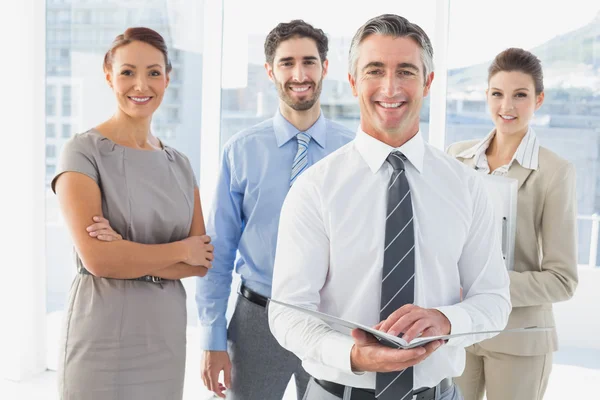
213 363
369 355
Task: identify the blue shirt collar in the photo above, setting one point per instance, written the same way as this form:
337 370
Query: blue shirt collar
285 131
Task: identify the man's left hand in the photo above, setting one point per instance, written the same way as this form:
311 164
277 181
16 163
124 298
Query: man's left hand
414 321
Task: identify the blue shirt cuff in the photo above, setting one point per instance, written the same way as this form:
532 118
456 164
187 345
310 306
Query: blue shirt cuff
213 338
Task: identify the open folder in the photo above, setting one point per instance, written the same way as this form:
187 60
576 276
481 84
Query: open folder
394 341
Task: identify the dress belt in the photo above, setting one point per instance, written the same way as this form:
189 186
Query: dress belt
252 296
145 278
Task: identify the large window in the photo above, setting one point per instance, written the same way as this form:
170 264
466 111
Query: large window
567 41
78 99
248 96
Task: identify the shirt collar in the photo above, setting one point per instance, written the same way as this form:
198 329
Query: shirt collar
285 131
375 152
479 148
527 154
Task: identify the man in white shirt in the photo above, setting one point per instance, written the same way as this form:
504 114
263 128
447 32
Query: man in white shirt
385 232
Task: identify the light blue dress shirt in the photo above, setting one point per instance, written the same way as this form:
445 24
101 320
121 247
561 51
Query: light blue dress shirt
253 182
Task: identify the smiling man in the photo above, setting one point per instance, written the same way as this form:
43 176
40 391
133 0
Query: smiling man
385 232
259 165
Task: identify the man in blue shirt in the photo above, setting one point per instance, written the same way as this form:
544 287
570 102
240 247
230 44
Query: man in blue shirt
259 165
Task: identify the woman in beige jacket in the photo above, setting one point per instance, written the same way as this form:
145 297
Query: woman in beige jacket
517 366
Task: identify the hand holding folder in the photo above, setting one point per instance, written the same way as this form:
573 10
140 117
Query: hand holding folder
394 341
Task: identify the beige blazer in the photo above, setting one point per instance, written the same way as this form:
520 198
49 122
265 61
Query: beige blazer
545 268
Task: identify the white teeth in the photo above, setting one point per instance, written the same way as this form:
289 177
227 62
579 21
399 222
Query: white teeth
390 105
300 89
140 99
508 117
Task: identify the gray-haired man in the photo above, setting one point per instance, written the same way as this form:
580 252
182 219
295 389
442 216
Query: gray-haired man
385 232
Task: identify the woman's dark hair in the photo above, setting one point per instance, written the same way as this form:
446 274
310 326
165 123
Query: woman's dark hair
140 34
515 59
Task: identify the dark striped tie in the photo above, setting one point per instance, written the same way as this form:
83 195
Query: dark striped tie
397 286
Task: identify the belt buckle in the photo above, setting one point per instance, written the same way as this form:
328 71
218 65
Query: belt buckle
156 279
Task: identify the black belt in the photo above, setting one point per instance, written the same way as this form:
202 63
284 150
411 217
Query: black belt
358 393
338 390
254 297
145 278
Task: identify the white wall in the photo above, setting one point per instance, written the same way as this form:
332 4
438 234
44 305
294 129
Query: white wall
22 34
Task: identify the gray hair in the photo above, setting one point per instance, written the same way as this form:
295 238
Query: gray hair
395 26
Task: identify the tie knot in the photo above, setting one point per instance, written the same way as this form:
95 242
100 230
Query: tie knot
303 137
397 160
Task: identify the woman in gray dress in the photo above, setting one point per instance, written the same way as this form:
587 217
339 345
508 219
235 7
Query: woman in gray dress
125 328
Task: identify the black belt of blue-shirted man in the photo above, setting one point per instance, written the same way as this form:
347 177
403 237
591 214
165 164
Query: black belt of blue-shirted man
252 296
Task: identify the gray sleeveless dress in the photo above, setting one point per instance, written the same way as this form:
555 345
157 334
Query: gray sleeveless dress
126 340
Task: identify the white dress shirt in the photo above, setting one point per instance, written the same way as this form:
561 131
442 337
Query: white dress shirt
330 246
527 154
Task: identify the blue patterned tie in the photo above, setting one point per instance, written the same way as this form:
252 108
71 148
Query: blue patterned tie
397 286
301 159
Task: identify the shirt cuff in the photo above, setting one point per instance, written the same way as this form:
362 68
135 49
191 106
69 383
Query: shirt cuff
460 322
336 349
213 338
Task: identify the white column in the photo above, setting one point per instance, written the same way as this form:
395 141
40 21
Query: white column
211 100
22 202
437 110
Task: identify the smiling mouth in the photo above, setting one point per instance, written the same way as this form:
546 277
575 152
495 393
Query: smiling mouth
140 99
388 105
300 89
507 117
